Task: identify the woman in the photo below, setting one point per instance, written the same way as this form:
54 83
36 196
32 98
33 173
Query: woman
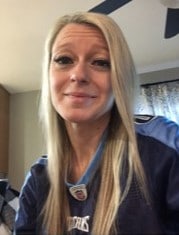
100 176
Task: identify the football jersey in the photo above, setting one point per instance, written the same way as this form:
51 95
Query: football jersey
158 144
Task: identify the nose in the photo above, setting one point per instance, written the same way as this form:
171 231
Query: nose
79 73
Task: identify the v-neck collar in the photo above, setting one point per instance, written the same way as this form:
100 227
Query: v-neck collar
93 165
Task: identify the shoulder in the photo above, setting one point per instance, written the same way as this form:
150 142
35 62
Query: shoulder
159 129
38 169
40 164
158 141
32 197
37 176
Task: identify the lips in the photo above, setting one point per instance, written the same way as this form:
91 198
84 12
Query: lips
80 95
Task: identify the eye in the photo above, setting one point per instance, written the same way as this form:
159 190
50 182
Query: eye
102 63
63 60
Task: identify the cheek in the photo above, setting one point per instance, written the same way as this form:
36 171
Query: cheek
53 79
54 88
56 81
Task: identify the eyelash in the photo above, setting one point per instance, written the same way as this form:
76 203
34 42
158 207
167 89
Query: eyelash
62 60
66 60
102 63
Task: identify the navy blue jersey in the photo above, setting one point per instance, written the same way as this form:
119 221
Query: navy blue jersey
158 143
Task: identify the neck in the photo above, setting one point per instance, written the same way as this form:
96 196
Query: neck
85 139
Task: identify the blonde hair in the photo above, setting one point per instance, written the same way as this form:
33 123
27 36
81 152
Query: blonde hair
121 146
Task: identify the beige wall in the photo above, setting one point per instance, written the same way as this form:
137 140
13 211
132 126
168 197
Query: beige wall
26 142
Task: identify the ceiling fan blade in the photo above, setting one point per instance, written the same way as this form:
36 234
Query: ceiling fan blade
109 6
172 22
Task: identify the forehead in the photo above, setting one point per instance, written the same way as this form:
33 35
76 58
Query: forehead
79 31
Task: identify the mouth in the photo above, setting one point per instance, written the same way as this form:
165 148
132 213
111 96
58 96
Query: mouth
80 95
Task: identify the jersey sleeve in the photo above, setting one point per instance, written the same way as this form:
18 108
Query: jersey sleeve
27 217
172 197
164 165
25 222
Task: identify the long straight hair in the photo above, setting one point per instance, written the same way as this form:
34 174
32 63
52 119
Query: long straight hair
121 144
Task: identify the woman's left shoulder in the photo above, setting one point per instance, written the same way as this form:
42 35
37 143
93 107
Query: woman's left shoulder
158 141
158 128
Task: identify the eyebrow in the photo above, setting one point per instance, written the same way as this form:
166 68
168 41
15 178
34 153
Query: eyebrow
66 46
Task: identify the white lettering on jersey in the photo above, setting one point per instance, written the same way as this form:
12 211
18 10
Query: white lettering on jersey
80 223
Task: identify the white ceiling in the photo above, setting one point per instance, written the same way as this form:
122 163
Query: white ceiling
25 24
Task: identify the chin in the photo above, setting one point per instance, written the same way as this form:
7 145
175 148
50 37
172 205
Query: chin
78 119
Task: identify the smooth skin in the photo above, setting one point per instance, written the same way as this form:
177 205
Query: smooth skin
81 90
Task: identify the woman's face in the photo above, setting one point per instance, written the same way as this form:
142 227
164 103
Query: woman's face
79 73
